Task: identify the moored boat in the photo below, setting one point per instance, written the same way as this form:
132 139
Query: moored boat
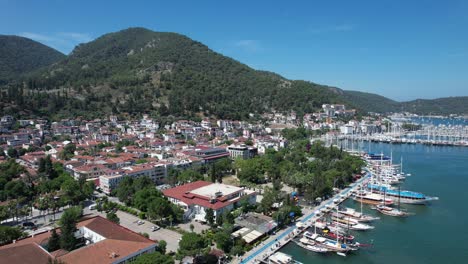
371 198
329 244
350 224
350 212
311 245
406 197
281 258
387 210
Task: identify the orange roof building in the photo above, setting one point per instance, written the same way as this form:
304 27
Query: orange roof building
106 242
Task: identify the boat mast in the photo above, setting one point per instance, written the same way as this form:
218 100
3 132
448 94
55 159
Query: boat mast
361 198
401 165
337 229
399 196
384 196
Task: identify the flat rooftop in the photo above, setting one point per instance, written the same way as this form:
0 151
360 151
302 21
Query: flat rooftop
210 190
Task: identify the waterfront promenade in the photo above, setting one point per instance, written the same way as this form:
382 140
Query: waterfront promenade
275 242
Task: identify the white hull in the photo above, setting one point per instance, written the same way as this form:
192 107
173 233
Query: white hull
412 201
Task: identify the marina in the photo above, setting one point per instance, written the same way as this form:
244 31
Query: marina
428 134
335 218
405 239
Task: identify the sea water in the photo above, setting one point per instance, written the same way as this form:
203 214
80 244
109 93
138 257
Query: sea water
436 233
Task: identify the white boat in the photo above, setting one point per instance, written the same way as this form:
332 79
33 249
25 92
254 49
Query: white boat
331 226
371 198
331 245
310 244
281 258
359 216
353 226
387 210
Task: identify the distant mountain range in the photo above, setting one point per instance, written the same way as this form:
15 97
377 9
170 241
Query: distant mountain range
137 70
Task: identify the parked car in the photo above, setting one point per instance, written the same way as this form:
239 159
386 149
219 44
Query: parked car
155 228
29 225
139 222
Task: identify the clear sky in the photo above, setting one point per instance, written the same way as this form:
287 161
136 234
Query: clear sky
400 49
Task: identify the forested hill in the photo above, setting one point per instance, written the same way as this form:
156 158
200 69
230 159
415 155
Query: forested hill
137 70
20 55
443 106
369 102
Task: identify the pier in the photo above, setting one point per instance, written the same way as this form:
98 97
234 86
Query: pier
274 243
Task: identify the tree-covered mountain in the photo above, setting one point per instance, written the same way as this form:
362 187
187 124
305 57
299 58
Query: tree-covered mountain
20 55
137 70
369 102
441 106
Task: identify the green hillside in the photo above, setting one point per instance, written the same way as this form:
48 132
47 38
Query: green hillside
369 102
440 106
137 70
20 55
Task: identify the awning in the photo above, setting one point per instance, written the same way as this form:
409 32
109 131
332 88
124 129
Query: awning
252 236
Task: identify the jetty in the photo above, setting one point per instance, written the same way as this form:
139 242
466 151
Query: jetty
274 243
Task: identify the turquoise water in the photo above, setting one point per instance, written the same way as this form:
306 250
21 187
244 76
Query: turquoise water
437 233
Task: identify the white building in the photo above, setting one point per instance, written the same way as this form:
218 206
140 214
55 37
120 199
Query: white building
196 197
242 151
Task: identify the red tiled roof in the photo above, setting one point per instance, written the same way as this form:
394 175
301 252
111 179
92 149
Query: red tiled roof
217 156
182 193
24 254
119 242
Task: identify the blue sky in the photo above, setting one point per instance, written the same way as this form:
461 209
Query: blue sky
400 49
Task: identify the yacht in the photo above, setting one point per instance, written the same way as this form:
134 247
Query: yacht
406 197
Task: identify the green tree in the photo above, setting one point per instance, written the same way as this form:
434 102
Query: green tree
153 258
68 151
12 153
191 244
223 241
113 217
67 224
159 208
209 216
71 192
190 175
229 218
144 197
142 183
162 245
270 196
8 234
219 220
54 241
125 190
213 173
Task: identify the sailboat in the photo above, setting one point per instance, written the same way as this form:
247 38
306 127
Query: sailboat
387 210
359 216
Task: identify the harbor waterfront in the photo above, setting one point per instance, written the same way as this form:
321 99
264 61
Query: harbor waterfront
433 233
